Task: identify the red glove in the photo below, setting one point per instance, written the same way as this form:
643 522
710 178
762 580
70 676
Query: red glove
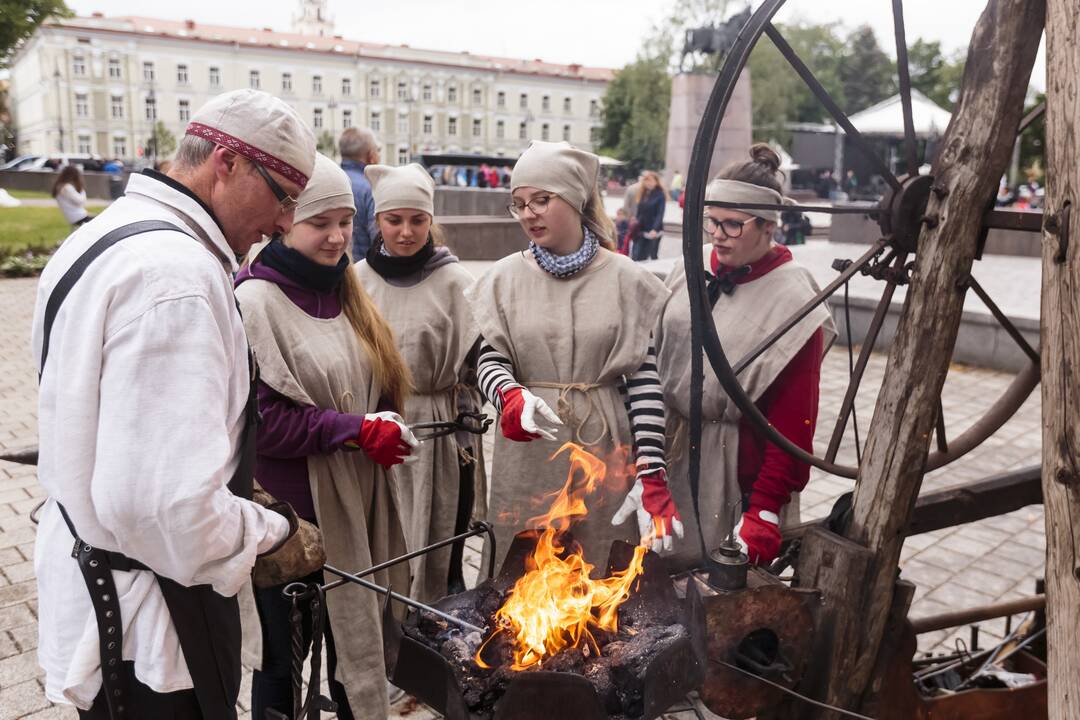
519 410
650 501
385 438
758 533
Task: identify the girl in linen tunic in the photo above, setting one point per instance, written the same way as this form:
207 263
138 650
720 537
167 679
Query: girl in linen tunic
566 327
419 288
754 287
329 370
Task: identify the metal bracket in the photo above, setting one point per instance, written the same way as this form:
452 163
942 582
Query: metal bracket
1058 224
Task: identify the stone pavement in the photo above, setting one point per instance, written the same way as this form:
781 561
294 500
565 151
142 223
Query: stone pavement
980 563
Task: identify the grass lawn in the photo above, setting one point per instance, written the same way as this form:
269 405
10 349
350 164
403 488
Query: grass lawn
29 194
24 227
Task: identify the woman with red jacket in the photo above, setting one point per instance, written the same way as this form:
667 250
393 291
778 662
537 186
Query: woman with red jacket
754 285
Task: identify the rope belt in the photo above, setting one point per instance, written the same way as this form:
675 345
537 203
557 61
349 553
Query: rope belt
565 408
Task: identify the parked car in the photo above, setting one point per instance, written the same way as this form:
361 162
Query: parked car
21 163
55 162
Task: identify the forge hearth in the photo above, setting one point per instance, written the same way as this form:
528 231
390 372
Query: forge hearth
643 668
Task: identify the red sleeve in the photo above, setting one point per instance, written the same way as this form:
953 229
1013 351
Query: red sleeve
792 408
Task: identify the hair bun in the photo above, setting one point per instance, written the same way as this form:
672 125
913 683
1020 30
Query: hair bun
762 154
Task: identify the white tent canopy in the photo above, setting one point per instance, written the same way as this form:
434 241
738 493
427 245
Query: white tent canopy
887 117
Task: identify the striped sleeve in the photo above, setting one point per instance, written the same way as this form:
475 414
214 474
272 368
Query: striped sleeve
494 372
644 401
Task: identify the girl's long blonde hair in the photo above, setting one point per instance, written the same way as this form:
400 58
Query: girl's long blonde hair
594 217
391 373
642 192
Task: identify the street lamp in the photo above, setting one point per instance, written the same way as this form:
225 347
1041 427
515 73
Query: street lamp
59 110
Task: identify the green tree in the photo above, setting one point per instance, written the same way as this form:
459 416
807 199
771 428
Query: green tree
868 75
636 108
933 74
162 143
326 143
1033 145
20 18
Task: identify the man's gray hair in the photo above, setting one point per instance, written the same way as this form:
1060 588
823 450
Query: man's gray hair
192 152
357 143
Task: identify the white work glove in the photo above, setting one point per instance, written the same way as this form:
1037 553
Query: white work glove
657 517
519 415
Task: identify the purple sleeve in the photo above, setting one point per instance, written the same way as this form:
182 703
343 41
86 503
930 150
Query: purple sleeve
291 430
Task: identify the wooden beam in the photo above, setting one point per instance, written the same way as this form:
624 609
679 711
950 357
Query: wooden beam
974 153
1060 355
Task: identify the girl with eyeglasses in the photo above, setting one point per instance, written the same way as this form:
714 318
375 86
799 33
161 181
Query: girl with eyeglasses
419 286
753 285
561 363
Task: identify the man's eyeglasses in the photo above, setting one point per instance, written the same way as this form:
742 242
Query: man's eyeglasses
732 228
538 206
287 201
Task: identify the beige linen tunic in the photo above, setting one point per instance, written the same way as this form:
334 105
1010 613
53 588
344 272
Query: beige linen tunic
321 362
582 334
743 319
435 332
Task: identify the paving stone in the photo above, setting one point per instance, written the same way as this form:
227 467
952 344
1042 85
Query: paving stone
925 574
983 581
17 593
25 636
944 557
1032 557
16 537
19 700
958 597
15 616
19 572
19 668
8 646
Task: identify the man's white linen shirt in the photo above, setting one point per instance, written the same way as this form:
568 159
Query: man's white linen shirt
140 415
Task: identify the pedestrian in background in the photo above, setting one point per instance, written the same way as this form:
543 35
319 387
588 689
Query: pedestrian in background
359 148
651 203
70 195
677 183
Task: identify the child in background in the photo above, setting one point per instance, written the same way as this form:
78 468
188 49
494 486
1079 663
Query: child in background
622 227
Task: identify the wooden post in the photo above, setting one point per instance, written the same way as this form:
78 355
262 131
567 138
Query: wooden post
974 154
1060 358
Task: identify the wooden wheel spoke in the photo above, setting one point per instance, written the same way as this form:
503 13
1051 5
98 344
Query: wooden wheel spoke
904 73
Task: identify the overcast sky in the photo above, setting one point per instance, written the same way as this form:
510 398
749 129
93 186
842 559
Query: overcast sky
591 32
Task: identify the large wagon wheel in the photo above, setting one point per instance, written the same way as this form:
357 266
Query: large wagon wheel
900 215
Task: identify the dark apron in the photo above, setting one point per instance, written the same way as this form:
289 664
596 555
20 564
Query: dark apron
207 624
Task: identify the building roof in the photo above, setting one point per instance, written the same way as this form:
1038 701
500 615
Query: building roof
887 117
268 38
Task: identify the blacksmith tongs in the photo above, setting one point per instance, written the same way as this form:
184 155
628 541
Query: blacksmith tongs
470 422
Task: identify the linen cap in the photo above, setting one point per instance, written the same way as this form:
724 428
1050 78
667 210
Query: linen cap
328 189
409 186
260 127
559 168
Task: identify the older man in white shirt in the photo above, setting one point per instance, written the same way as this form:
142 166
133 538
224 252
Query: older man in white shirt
144 409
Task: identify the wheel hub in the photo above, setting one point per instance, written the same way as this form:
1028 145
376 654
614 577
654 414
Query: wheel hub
902 211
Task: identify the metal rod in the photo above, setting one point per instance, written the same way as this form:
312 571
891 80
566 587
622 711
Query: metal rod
805 310
1034 114
1005 322
948 620
823 96
416 604
482 527
904 73
833 210
939 429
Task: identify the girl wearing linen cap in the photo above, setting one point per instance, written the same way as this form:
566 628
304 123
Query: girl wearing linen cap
331 380
561 364
419 286
754 286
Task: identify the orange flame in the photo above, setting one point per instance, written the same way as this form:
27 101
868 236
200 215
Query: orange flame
555 604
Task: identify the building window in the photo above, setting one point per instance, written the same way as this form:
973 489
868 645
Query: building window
451 126
477 96
376 122
84 145
286 82
566 105
373 89
523 102
566 133
500 130
215 77
545 132
114 68
346 87
523 131
346 118
451 93
148 72
477 127
594 134
403 124
78 65
545 103
151 109
427 124
185 110
119 147
500 99
402 91
253 79
427 92
402 155
316 84
181 74
316 120
116 106
594 108
82 106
